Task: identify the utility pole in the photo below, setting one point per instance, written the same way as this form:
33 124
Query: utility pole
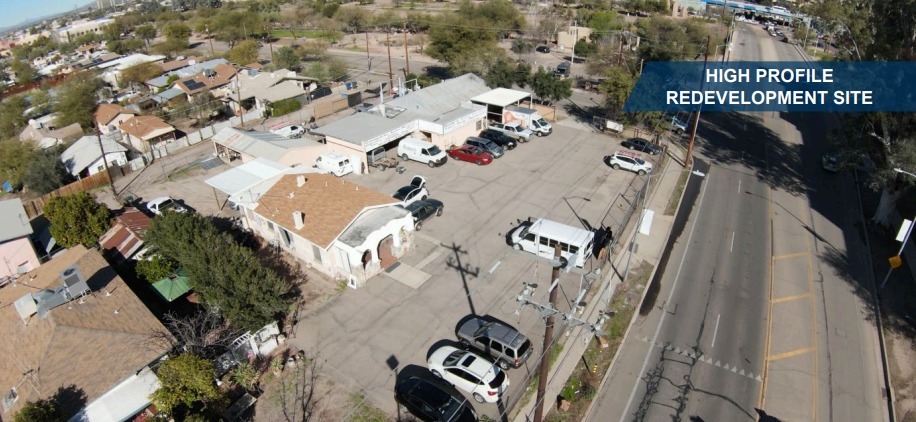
549 311
368 59
238 97
406 51
696 117
210 39
388 44
548 337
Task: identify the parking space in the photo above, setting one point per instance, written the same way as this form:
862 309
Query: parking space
460 263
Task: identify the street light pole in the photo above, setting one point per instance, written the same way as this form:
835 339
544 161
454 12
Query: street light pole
906 236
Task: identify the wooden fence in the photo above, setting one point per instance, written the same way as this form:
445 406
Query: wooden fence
35 207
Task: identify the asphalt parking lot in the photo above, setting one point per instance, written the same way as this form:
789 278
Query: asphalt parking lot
368 338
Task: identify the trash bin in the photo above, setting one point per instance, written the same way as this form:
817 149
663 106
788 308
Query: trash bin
348 86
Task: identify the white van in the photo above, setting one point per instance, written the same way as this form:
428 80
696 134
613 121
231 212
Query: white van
334 163
542 236
422 151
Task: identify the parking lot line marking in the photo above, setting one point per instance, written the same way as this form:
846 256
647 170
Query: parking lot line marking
732 247
791 255
716 331
789 354
793 297
495 266
739 183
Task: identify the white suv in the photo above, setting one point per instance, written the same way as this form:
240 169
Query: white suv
629 161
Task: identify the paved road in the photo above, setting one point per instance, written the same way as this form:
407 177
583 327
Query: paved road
761 307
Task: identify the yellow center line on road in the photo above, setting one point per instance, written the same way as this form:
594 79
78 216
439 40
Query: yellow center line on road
791 298
789 354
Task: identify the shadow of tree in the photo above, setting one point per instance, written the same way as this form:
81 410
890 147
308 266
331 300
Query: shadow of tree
70 399
732 138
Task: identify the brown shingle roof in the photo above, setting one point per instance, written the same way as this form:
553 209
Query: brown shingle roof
143 126
329 204
224 73
106 112
176 64
83 343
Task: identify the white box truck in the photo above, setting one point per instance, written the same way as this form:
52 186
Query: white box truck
530 119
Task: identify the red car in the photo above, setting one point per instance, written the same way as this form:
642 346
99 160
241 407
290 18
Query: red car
470 154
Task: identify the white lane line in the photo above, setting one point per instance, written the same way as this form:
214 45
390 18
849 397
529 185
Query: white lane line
739 185
716 331
732 247
495 266
677 276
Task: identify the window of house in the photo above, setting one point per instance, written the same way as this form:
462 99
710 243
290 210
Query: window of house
270 225
287 238
316 253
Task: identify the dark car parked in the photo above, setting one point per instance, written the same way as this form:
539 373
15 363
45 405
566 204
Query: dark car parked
423 209
429 402
642 145
321 91
543 49
499 138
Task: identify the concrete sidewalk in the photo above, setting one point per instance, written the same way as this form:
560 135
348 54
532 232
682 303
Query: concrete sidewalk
648 248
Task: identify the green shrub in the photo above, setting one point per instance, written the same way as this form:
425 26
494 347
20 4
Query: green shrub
283 107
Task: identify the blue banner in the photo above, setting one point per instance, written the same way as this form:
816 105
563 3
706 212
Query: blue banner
775 86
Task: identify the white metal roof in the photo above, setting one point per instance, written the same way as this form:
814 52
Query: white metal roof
260 144
15 222
245 176
86 151
501 97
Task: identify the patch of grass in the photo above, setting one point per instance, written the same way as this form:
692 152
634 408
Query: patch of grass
676 195
533 384
182 172
364 412
309 33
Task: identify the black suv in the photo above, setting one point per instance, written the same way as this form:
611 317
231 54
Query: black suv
499 138
423 209
642 145
429 402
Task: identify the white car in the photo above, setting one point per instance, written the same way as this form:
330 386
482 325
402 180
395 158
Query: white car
629 161
414 192
469 372
513 129
291 131
160 205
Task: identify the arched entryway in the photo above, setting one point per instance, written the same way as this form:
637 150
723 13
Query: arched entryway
367 258
384 252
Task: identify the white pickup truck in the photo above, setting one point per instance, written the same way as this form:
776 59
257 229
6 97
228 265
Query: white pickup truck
514 130
291 131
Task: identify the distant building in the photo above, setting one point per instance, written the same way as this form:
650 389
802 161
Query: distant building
71 32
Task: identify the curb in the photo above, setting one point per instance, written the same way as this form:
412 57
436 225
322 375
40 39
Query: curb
645 291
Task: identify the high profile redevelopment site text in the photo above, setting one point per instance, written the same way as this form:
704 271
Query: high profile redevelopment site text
794 76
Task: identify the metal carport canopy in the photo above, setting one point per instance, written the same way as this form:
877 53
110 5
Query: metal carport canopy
501 97
245 176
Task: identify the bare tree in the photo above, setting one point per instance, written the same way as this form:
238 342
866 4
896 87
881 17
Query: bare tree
205 334
550 21
295 396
